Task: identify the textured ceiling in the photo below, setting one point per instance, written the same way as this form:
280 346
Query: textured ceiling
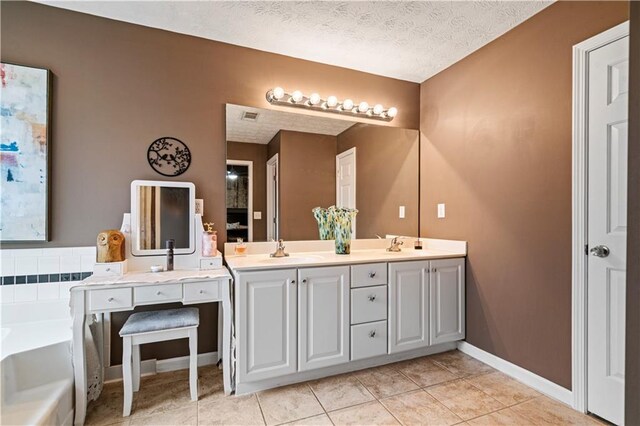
270 122
408 40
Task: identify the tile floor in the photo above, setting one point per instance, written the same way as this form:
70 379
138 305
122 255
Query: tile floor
444 389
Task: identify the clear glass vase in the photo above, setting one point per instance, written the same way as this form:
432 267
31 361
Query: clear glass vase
342 222
325 223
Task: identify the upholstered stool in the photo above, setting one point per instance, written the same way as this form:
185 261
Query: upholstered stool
157 326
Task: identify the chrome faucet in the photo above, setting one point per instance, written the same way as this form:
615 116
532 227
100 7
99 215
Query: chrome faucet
395 245
279 250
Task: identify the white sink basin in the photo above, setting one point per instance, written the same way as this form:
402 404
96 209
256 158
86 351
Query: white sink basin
291 259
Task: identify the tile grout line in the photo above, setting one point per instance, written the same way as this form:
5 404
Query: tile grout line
264 419
326 413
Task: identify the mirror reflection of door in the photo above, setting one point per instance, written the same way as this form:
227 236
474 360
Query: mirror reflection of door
346 182
239 200
273 233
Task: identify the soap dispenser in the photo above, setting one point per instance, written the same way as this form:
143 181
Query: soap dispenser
209 241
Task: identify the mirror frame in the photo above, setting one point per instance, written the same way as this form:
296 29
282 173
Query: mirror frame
135 216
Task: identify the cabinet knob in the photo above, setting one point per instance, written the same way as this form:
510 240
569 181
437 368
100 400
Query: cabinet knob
108 269
201 291
158 293
372 333
372 274
304 281
372 298
293 281
110 299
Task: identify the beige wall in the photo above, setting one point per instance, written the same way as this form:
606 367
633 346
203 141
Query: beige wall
118 86
307 179
496 148
257 153
386 178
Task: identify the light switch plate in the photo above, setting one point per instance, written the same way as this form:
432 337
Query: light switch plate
441 212
401 212
257 215
200 206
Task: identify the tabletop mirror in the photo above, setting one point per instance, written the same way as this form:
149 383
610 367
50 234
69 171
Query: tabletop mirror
161 211
280 165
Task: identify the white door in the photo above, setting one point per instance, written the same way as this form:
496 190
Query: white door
272 199
607 228
408 305
346 182
446 288
267 324
323 315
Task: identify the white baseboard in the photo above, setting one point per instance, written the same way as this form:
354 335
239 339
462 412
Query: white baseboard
530 379
152 366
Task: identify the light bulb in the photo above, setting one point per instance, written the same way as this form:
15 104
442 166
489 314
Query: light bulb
278 93
363 107
314 99
347 104
332 101
296 96
392 112
378 109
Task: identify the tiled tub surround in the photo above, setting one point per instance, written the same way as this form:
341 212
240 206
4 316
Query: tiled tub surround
29 275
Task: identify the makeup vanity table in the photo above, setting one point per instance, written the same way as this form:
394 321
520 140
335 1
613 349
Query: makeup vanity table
111 289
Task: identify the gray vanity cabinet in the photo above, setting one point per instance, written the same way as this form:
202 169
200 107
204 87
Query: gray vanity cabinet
408 305
323 317
267 329
446 300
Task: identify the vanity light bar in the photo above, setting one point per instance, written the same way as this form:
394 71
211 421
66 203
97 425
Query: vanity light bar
278 96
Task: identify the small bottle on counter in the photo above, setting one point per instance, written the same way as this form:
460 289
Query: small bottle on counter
241 248
418 244
170 246
209 241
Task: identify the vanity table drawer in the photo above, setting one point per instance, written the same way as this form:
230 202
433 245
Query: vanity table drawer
106 300
368 340
157 293
369 274
205 291
368 304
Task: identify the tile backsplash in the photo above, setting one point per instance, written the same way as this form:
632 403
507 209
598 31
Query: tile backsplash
28 275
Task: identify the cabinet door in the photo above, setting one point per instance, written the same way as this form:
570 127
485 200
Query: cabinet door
408 305
267 324
447 300
323 317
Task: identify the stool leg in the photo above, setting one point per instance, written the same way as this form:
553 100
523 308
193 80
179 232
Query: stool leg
126 376
136 368
193 363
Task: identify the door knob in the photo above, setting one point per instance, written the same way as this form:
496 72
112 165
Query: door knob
600 251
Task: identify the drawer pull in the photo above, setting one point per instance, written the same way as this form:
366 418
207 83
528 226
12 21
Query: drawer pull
372 274
372 334
108 269
110 299
201 291
372 298
158 293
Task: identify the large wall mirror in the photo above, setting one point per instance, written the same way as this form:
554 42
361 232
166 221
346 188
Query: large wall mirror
280 165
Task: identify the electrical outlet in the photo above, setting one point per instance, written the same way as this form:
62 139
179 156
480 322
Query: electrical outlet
401 212
200 206
441 212
257 215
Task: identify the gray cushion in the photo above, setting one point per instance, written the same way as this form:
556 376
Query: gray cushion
142 322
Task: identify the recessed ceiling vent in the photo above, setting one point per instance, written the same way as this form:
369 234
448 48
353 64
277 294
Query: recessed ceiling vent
249 116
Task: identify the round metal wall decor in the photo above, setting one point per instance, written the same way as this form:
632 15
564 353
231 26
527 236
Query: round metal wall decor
169 156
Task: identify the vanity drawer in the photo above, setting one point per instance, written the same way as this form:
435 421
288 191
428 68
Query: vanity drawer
107 269
368 304
368 340
369 274
117 298
211 263
157 293
200 292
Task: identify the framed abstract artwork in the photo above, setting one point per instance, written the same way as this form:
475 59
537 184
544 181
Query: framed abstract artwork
25 143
